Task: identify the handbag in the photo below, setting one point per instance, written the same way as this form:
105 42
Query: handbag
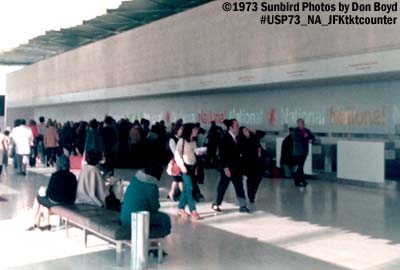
75 162
172 167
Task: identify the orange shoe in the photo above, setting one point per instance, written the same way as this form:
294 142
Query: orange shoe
195 215
183 213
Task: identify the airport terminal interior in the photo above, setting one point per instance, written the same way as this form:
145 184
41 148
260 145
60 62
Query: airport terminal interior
147 68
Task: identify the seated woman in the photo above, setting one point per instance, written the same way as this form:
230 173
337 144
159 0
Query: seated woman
61 190
142 195
91 184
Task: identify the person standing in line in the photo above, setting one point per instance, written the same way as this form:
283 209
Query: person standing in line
176 134
185 158
231 167
287 155
23 139
7 143
250 149
34 147
302 137
42 130
51 142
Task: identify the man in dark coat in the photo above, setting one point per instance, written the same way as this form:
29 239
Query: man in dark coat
302 137
231 162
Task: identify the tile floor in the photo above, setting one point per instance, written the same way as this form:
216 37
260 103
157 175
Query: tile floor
329 226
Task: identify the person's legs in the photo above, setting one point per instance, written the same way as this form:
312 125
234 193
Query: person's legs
253 182
187 194
19 163
171 192
237 180
302 176
35 216
25 160
160 225
221 189
299 177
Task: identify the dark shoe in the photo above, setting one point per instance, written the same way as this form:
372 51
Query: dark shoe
154 253
45 228
244 209
298 184
252 207
304 183
216 208
32 228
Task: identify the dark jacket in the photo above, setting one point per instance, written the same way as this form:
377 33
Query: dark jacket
252 163
300 142
62 187
229 153
287 151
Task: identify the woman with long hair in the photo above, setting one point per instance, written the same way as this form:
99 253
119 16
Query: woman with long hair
250 150
185 158
176 134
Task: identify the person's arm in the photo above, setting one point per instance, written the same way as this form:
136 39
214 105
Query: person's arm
154 199
311 136
172 145
224 154
178 156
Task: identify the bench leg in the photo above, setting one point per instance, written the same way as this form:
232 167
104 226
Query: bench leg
85 236
66 227
160 251
119 253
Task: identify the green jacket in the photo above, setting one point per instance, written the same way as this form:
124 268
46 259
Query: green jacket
141 195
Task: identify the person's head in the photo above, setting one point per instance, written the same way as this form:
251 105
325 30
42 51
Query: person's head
300 123
17 122
233 126
136 123
244 131
62 163
32 122
212 123
49 122
7 133
23 122
189 132
93 157
177 130
108 120
290 130
154 168
93 124
41 119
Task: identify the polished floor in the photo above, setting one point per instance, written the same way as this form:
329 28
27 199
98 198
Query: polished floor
328 226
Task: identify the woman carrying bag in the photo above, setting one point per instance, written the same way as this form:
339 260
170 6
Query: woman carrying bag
185 158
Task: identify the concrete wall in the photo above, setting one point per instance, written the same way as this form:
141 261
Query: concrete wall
201 41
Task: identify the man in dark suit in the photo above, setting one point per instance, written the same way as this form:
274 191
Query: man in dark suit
230 160
301 138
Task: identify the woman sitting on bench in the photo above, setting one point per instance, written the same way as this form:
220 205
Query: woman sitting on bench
60 190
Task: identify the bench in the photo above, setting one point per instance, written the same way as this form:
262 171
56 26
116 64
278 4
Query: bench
103 223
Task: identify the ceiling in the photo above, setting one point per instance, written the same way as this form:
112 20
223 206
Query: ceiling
129 15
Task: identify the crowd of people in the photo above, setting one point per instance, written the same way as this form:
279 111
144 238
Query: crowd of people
235 152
